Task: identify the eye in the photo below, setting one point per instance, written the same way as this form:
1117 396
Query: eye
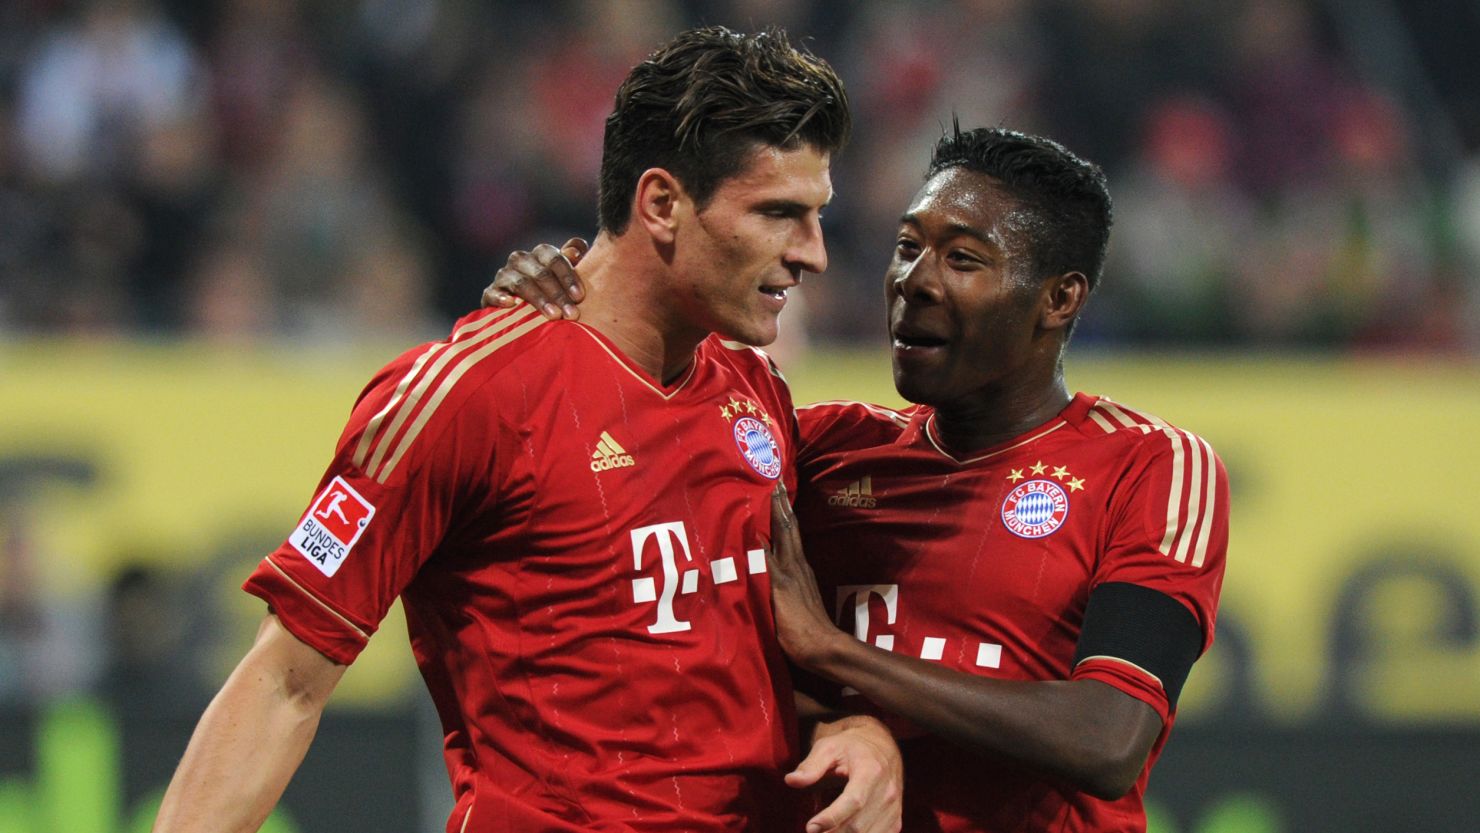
906 249
782 211
960 259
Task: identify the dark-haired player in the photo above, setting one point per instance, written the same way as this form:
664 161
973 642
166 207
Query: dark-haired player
1030 575
575 515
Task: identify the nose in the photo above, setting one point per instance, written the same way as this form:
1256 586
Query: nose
915 280
808 251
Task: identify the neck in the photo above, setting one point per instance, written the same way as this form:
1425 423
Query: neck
627 300
996 416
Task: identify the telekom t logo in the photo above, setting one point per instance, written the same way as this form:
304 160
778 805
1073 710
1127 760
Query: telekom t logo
644 589
857 596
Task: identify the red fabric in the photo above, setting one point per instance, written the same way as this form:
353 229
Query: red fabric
883 507
508 527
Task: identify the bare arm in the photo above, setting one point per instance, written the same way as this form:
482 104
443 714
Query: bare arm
1092 735
252 737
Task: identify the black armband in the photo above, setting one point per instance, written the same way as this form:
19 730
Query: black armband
1144 627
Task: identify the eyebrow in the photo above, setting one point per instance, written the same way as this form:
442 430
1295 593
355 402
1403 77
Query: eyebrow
955 229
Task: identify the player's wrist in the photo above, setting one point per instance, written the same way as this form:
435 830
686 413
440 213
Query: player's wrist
825 651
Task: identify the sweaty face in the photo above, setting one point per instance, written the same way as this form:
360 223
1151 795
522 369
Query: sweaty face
751 243
962 305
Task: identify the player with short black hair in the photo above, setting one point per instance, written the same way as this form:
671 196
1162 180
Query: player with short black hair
575 515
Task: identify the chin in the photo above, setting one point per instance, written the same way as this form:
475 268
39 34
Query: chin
912 389
755 336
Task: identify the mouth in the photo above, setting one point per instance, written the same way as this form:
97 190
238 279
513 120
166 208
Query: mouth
777 292
912 338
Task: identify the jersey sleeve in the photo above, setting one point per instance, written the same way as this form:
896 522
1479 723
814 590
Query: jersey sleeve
381 510
1166 542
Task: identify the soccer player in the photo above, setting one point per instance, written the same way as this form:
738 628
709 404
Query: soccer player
575 515
1030 575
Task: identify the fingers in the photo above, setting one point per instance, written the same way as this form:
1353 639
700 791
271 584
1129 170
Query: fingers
852 810
495 297
843 814
574 250
812 768
545 278
783 520
860 750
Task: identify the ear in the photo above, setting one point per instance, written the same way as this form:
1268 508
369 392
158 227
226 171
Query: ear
1063 298
659 202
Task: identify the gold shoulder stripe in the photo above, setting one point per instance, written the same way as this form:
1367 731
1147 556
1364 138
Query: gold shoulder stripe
1174 497
1125 416
426 375
449 383
372 428
1200 552
1184 529
1099 418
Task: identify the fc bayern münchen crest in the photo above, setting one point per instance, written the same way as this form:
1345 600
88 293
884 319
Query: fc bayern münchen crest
1035 509
758 447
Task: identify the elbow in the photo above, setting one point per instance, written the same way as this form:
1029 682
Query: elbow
1111 784
1109 774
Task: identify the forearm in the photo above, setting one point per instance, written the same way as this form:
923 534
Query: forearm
1087 733
247 745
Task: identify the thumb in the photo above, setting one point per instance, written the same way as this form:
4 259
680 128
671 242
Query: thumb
574 249
811 770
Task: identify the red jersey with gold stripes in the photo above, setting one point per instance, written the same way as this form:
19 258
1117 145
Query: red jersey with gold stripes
579 551
985 565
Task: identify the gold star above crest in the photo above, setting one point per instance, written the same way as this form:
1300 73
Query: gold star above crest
1060 472
1039 468
750 406
1017 474
1076 483
725 411
735 406
765 417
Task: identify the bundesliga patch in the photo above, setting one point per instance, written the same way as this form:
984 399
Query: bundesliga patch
758 447
1035 509
333 524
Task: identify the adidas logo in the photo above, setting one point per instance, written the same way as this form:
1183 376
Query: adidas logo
858 494
609 454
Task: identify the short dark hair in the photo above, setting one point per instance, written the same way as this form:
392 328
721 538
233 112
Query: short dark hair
700 104
1067 195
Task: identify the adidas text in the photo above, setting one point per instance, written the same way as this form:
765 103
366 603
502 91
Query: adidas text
615 461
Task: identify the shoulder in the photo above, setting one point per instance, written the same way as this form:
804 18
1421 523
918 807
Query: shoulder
751 363
427 389
839 424
1145 435
743 357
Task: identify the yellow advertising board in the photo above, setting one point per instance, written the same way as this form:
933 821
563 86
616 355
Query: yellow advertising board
1353 581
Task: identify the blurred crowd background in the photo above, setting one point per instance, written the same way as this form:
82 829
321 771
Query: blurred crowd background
203 202
1286 173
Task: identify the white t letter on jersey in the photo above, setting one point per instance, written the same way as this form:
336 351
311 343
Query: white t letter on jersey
665 533
858 595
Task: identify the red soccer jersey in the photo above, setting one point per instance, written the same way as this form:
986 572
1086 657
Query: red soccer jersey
986 564
579 550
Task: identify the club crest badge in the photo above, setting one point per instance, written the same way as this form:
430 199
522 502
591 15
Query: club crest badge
758 447
1035 509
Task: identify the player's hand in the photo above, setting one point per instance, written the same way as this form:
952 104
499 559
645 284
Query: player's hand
861 750
544 278
802 624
